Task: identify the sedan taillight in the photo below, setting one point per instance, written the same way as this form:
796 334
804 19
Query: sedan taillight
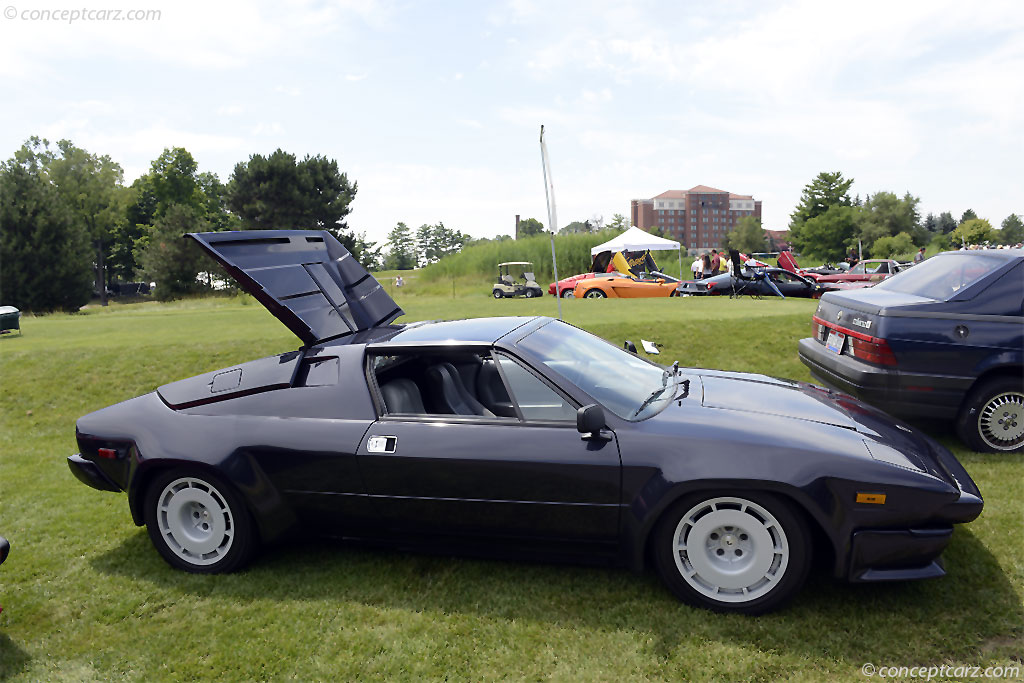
874 351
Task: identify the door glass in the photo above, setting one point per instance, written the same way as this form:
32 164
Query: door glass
536 400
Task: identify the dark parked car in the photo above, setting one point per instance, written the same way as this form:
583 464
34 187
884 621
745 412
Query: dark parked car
758 282
517 437
944 339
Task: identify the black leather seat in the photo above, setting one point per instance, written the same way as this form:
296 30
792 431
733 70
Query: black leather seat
491 391
448 395
402 396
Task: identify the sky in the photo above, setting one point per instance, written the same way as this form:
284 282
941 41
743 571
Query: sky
435 108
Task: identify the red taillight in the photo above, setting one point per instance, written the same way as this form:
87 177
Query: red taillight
710 286
875 351
108 453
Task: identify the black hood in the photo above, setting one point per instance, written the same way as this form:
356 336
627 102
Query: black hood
306 278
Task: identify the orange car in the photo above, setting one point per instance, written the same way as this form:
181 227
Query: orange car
626 287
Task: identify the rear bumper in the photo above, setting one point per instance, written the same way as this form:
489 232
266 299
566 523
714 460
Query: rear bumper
88 473
906 394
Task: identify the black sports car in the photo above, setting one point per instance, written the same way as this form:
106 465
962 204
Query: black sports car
515 436
753 282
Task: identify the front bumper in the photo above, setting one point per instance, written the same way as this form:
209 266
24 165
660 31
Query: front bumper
897 555
88 473
900 393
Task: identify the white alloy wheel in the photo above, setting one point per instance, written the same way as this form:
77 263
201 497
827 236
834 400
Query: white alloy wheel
195 521
1001 421
730 549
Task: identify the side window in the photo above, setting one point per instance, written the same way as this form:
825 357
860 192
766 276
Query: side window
461 384
535 399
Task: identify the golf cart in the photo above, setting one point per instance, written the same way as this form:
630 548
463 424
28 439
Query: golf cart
506 285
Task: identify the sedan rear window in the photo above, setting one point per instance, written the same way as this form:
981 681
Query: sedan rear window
941 277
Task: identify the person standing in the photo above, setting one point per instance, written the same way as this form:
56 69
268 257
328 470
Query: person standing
707 265
697 267
919 256
716 263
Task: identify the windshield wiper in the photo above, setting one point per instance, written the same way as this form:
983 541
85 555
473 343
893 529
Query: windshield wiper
672 371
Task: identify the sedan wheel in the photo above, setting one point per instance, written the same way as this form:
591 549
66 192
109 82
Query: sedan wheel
730 553
993 417
198 524
594 294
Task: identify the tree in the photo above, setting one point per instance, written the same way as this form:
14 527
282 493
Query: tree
1012 230
946 223
969 215
826 236
575 227
366 252
401 249
530 226
46 254
434 242
278 192
92 186
747 236
973 231
884 215
618 222
826 190
173 262
931 224
890 246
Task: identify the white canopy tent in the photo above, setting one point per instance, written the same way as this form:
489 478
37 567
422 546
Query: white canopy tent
636 239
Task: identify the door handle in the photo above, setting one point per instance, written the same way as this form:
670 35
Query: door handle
381 444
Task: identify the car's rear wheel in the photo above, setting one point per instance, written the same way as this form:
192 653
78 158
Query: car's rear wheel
198 523
497 294
746 554
992 417
594 294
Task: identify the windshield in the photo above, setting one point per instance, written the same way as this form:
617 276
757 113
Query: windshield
620 381
940 277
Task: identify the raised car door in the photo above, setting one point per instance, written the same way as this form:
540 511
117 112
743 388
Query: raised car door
525 476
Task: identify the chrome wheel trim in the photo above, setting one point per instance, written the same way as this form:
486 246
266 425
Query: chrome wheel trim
1001 421
195 521
594 294
730 549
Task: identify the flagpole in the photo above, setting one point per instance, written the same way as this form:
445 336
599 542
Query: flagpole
549 197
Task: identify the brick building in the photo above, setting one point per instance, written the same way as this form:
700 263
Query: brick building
699 217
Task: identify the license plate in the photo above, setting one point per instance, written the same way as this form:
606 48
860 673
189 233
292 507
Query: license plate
835 341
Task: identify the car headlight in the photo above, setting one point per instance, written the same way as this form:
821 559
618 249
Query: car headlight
887 454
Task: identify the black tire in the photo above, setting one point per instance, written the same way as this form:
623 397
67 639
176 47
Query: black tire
186 507
497 294
594 294
992 417
567 292
531 293
725 526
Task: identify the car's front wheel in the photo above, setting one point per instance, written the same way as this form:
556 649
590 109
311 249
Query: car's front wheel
531 293
594 294
567 293
992 417
746 554
198 523
497 294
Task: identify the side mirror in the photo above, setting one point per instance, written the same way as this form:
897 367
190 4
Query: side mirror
590 420
629 346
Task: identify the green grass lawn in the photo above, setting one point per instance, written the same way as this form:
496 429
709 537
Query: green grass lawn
86 597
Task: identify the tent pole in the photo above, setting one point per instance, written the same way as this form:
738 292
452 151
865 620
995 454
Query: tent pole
549 196
680 262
